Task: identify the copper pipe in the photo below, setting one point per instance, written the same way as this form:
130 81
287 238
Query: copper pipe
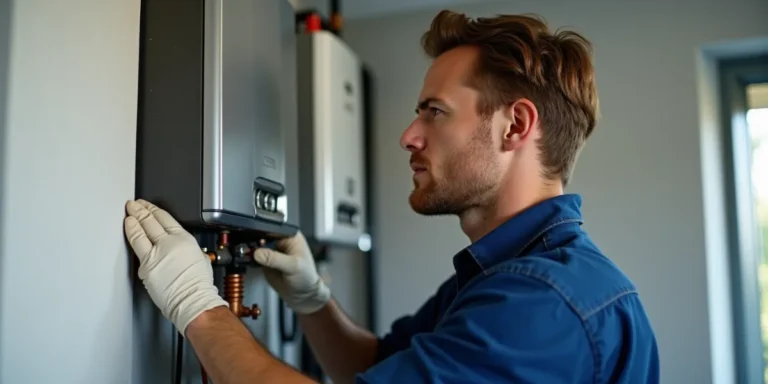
234 289
233 292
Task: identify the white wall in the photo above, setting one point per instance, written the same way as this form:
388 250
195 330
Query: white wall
68 168
640 174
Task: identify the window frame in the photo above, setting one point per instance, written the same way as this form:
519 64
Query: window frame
735 76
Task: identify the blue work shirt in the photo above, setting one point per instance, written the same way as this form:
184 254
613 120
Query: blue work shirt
534 301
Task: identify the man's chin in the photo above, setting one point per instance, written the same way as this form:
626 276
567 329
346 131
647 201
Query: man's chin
416 201
423 205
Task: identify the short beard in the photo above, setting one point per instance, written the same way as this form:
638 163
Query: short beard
470 179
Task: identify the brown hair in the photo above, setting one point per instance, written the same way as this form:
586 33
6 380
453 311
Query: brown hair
520 57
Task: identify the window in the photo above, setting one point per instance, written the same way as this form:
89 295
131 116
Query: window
744 91
757 125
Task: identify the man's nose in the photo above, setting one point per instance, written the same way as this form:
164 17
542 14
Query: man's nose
412 139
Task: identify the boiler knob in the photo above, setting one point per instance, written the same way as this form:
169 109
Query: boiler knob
259 199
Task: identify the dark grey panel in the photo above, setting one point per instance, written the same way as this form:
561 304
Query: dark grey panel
169 132
169 157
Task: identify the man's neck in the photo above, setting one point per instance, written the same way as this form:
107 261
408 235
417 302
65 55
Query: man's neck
481 220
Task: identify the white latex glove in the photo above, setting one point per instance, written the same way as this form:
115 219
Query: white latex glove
174 270
290 270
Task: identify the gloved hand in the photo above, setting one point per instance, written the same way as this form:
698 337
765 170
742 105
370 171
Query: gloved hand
290 270
176 273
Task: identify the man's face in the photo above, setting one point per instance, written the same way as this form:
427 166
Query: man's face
453 151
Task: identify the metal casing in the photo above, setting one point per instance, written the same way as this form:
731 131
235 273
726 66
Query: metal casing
213 108
331 145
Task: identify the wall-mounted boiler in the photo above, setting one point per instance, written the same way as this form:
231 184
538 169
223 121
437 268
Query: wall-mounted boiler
211 148
331 140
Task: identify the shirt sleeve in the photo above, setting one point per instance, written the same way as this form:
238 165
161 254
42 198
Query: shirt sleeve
423 320
506 328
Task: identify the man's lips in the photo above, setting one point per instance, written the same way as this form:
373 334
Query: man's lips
418 167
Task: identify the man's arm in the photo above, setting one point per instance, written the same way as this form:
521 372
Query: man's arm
231 355
345 349
341 347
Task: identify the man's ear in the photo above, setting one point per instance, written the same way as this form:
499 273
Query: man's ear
521 117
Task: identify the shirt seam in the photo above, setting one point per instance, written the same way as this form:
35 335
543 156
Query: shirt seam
542 232
583 318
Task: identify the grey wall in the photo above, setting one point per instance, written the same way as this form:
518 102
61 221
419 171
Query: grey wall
640 174
68 168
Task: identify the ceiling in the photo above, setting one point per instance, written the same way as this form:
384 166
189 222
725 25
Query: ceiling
357 9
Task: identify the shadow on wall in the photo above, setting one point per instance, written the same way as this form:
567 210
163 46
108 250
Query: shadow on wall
5 54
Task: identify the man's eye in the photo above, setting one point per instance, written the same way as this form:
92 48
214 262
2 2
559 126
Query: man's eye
429 111
435 111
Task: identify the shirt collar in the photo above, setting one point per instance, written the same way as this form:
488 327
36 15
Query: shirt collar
515 236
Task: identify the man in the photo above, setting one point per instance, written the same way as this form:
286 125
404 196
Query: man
504 110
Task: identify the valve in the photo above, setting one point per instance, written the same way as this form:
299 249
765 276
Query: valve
235 259
220 256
